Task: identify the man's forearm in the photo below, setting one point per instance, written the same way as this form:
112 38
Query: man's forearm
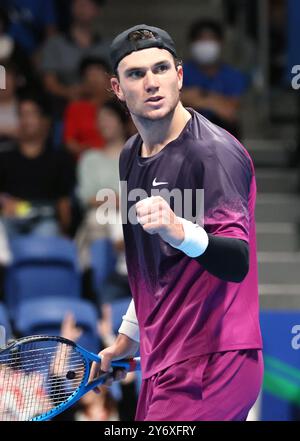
226 258
124 347
64 214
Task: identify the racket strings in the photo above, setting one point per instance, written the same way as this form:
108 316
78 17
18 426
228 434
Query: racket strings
35 378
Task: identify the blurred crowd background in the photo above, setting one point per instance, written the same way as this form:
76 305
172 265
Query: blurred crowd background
61 132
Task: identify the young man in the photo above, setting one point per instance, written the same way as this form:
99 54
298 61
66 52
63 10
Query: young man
195 289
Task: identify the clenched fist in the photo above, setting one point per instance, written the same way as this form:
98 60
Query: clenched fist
156 217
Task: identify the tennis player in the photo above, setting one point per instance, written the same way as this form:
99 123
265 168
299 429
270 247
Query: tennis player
194 312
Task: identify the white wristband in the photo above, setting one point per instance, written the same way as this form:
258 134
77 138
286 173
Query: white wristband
130 326
195 239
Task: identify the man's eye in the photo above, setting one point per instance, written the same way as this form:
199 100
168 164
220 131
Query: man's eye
162 68
136 74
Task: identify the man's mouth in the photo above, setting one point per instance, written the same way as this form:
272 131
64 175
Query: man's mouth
154 99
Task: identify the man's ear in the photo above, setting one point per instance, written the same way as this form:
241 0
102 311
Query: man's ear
115 85
180 76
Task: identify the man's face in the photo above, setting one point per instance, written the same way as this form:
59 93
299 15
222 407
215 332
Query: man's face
95 79
149 83
85 10
32 123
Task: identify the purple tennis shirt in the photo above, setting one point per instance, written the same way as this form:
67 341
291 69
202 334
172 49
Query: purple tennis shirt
184 311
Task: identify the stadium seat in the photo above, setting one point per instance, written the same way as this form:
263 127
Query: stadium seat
4 321
118 309
103 260
45 315
42 266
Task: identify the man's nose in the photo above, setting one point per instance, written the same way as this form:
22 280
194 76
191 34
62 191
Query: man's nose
151 82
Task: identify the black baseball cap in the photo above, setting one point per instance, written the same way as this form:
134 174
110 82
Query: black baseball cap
123 45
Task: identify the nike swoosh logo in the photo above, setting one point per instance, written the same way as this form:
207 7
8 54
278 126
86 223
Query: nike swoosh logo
155 184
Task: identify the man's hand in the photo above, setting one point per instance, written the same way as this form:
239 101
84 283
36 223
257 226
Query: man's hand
156 217
69 329
123 347
9 205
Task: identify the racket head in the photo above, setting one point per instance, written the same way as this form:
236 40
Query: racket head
40 376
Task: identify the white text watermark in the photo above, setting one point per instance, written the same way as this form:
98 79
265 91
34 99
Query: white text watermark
296 339
115 208
2 78
296 78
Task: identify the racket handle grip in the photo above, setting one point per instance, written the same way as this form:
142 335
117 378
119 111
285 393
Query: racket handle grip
130 364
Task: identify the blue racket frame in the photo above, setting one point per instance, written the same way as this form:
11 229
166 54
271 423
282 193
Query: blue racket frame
84 386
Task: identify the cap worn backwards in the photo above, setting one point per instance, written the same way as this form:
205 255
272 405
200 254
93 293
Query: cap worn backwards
124 44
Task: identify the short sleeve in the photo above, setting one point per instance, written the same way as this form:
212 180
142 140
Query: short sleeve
226 184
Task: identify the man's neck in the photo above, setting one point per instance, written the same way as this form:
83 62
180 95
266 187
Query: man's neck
114 146
158 133
31 149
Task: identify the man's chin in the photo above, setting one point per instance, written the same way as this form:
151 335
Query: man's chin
156 114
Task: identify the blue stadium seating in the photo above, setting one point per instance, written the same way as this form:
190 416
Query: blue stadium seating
42 266
45 315
118 309
103 261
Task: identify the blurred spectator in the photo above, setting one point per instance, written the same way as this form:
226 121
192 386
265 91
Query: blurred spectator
81 128
69 328
35 181
9 118
12 53
211 86
31 21
62 54
63 12
20 387
97 407
98 170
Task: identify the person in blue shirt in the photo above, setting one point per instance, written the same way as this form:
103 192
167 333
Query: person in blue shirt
211 86
31 22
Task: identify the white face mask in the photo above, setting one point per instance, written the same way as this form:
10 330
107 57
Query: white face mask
205 52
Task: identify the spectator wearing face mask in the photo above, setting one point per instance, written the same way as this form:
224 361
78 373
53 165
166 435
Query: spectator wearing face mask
211 86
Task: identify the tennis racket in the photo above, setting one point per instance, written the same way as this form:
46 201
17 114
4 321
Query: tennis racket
41 376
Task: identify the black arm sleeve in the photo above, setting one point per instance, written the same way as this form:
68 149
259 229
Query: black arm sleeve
226 258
